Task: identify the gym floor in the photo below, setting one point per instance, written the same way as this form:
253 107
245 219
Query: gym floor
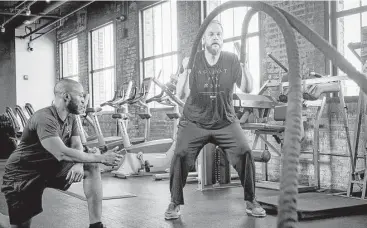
213 208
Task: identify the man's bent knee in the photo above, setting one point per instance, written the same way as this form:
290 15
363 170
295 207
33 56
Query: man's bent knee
26 224
91 169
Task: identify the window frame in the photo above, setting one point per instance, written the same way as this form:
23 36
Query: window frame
205 13
143 59
61 53
91 71
335 15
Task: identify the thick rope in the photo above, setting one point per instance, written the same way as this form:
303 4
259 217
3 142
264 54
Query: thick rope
287 215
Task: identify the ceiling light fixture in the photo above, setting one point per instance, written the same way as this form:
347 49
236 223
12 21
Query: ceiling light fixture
28 12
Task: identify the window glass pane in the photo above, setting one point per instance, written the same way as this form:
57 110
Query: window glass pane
347 4
349 30
103 87
160 37
253 62
227 23
149 68
103 80
157 24
69 58
174 24
229 46
102 51
148 32
166 28
364 19
364 2
254 24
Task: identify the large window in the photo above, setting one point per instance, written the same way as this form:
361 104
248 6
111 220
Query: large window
232 20
159 42
102 65
351 20
69 59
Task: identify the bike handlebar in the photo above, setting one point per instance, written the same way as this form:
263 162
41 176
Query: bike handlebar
278 62
168 92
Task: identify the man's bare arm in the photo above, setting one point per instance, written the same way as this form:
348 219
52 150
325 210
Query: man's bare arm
57 148
76 143
246 85
182 87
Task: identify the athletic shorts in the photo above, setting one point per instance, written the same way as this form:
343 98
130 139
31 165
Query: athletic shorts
24 197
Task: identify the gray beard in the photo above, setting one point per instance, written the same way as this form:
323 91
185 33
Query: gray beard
211 50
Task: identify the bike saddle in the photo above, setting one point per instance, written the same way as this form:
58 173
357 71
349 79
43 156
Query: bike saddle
93 110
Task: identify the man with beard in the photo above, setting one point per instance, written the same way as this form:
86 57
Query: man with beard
50 154
209 117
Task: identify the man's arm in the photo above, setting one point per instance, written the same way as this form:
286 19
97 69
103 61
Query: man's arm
182 87
76 143
62 153
246 83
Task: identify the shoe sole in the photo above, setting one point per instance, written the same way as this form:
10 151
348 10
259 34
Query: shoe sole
170 217
255 215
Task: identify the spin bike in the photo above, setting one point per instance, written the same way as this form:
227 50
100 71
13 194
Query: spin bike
153 155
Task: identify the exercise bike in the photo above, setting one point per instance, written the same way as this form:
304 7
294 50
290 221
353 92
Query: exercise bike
153 155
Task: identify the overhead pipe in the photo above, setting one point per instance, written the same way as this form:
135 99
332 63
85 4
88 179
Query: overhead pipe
20 4
35 15
54 22
18 13
48 9
45 33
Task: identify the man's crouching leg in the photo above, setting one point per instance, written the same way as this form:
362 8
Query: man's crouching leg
92 185
4 221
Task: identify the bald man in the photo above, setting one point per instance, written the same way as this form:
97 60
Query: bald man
209 117
50 155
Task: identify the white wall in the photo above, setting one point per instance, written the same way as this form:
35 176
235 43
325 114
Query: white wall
39 66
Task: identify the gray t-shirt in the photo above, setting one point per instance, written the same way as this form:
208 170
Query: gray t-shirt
210 103
31 160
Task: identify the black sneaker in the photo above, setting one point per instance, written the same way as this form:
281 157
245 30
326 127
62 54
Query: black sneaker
254 208
101 226
172 212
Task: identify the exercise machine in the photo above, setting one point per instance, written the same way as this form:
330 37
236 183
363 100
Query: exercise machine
156 152
16 125
20 113
359 177
29 109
